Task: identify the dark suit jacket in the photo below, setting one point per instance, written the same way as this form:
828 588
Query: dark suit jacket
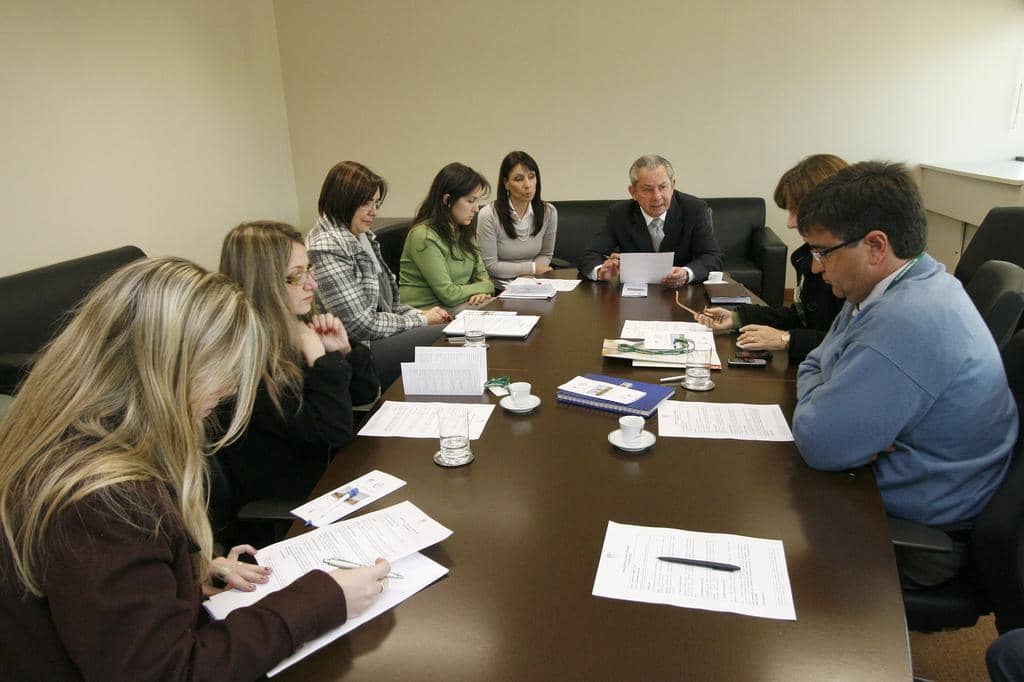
123 603
687 232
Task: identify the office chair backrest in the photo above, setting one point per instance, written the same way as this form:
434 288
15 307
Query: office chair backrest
998 236
997 290
998 537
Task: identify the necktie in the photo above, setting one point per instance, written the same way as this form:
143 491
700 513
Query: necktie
657 228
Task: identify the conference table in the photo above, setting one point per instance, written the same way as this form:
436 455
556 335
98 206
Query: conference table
529 517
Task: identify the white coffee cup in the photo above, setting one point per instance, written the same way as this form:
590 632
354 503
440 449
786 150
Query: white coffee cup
630 426
715 276
520 392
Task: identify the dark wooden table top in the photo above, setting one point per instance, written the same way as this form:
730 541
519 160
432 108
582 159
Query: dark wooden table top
529 517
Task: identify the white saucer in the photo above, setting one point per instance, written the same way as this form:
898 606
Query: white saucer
530 405
645 441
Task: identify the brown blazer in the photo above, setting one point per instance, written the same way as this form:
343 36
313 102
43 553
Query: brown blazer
122 604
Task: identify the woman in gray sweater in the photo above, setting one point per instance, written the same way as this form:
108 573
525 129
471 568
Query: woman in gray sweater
516 233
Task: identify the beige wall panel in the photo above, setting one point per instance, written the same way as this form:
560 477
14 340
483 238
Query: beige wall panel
733 93
160 124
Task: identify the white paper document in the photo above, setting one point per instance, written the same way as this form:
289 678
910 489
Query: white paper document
561 285
738 421
629 569
601 389
527 287
396 533
347 498
634 290
507 324
645 267
639 329
419 420
446 371
391 533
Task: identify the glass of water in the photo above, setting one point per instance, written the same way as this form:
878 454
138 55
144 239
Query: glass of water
474 325
453 431
698 373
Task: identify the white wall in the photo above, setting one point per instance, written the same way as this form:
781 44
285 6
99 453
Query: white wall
160 124
732 92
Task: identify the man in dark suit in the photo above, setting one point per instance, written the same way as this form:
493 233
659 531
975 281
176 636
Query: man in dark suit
657 218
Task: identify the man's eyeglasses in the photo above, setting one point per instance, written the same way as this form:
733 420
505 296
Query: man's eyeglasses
819 254
302 277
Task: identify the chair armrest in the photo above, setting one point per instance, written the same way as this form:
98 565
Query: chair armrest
918 536
13 368
769 253
561 264
269 509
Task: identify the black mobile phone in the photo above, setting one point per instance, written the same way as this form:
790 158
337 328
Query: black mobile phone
753 354
751 362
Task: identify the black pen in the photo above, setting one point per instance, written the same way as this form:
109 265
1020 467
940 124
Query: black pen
718 566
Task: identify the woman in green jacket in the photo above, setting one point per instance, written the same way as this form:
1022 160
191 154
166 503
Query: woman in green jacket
441 262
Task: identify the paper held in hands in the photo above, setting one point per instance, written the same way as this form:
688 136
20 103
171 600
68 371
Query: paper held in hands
640 268
396 533
629 569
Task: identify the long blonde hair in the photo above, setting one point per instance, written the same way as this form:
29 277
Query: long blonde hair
256 256
116 399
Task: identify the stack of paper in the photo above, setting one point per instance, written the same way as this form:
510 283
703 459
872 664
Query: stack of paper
525 287
658 337
559 285
496 323
445 371
396 533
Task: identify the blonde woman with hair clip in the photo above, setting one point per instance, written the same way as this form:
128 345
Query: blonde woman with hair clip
313 376
105 547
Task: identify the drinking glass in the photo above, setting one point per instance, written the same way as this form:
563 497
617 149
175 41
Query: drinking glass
453 432
474 326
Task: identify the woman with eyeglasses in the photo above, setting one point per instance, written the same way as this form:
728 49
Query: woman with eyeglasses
441 262
800 327
517 231
313 376
355 282
105 547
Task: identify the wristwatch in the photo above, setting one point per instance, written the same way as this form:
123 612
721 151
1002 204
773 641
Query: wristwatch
785 339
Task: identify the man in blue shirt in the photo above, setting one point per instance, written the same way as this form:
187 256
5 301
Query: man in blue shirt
909 378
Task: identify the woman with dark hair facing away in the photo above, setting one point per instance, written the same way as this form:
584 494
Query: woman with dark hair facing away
441 262
355 282
105 547
800 327
516 232
313 375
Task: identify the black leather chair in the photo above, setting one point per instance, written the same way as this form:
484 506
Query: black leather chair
35 305
997 290
999 237
994 581
754 254
391 238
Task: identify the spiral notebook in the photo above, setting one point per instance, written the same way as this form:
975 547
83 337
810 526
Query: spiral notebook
653 395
